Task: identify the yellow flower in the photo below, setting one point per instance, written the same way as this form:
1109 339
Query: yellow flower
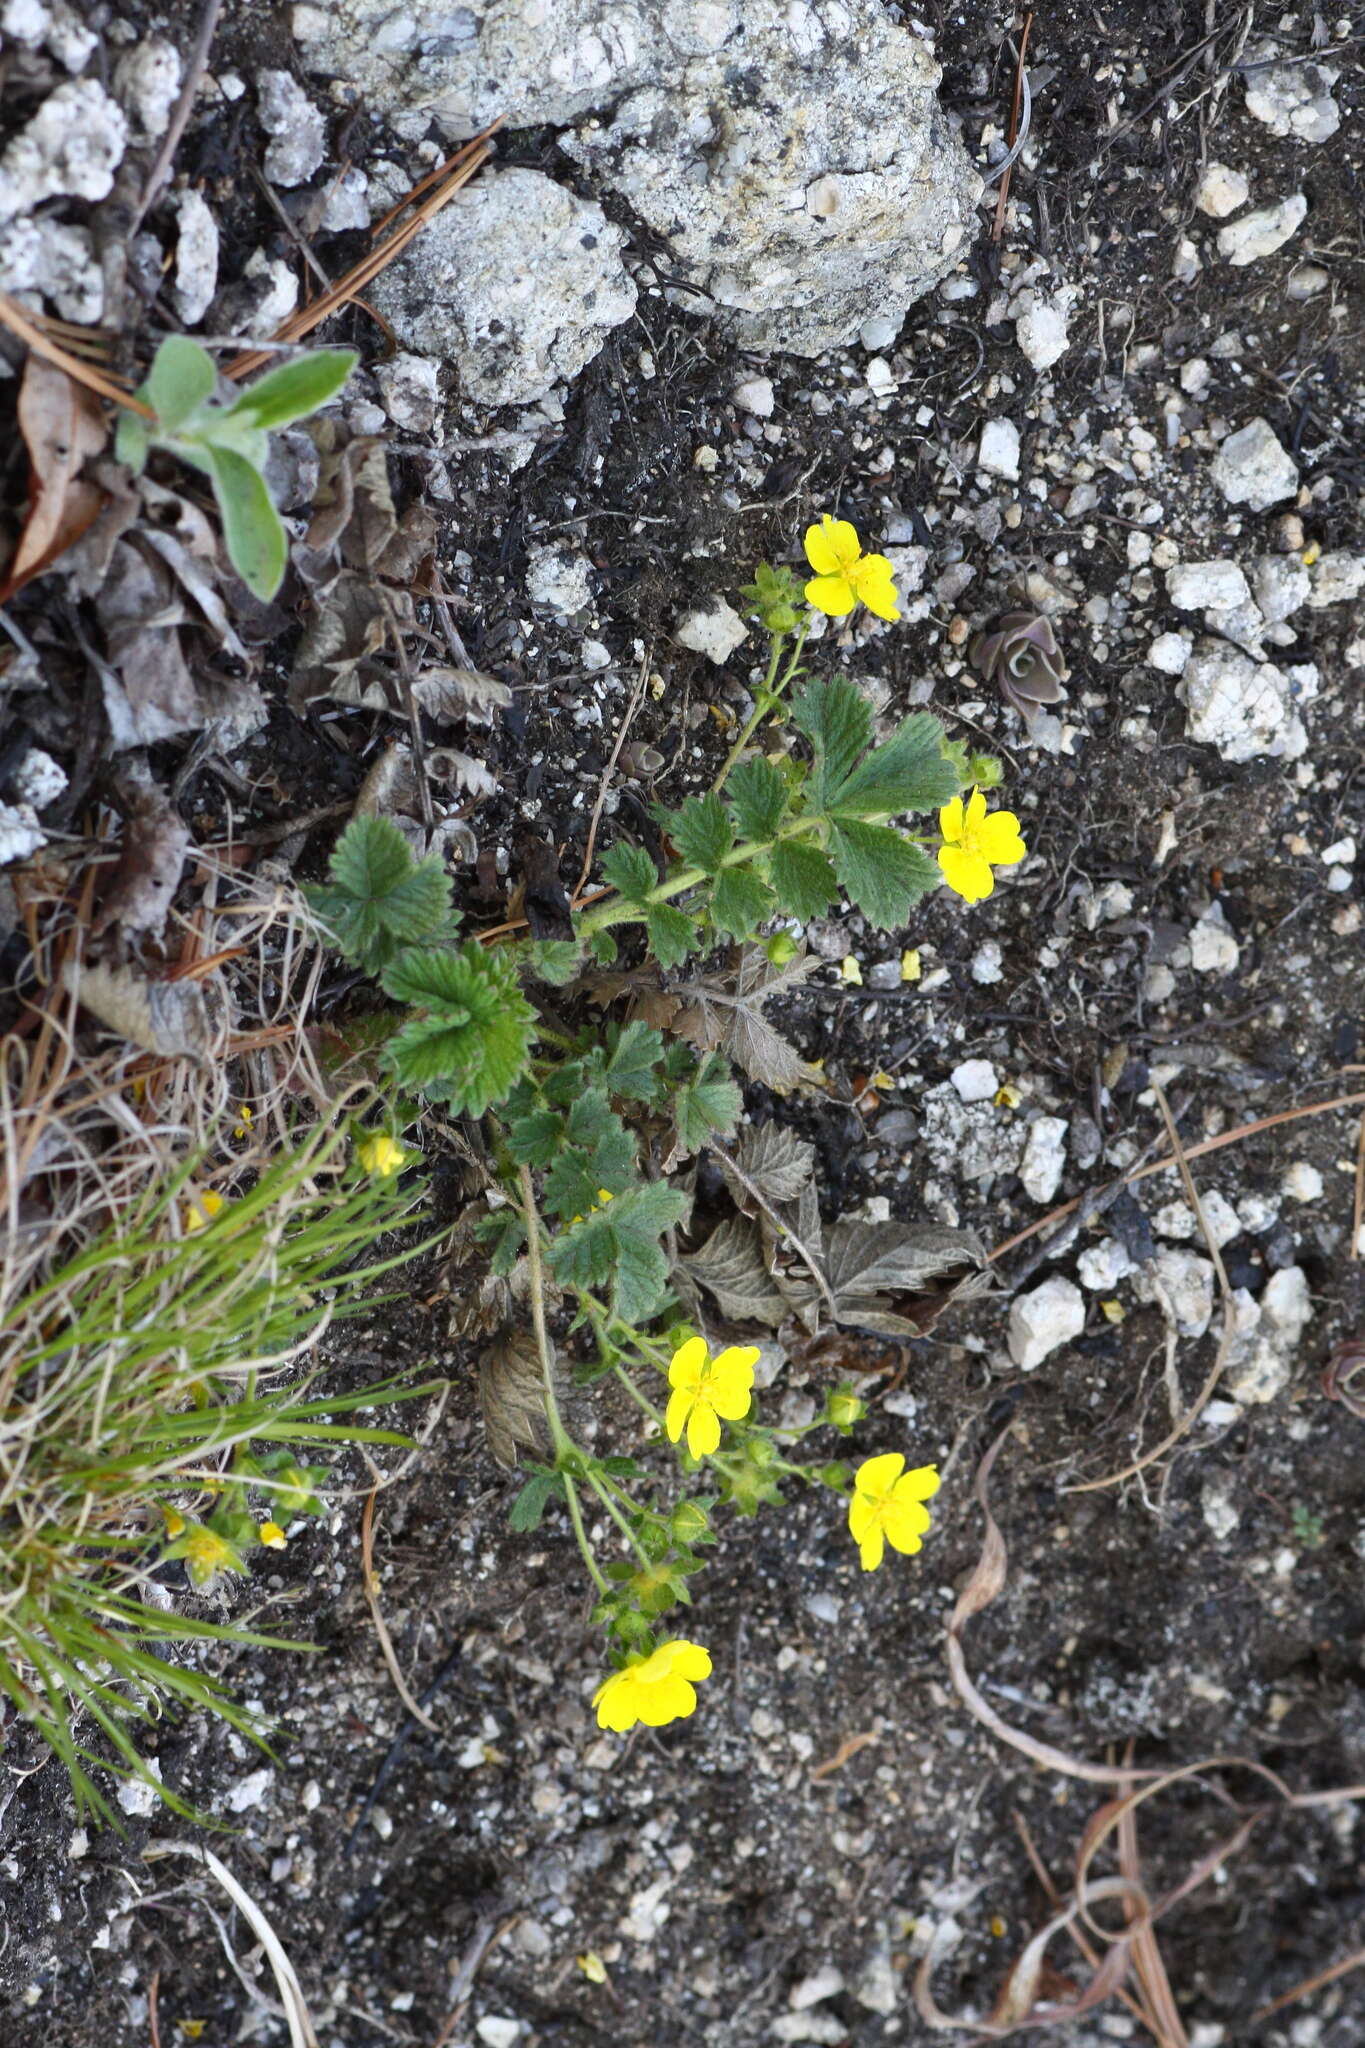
656 1689
206 1554
245 1119
380 1155
844 575
174 1520
705 1389
272 1535
973 844
888 1506
200 1211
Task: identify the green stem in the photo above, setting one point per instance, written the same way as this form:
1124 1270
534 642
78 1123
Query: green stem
770 693
559 1436
576 1517
640 1400
595 1482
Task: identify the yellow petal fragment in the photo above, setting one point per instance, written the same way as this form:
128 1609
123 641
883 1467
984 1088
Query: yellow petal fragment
851 971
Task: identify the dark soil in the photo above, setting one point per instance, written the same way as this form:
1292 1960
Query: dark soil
833 1806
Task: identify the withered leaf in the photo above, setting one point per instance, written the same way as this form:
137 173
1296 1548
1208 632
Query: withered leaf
777 1162
512 1395
724 1013
63 425
166 1017
155 842
731 1267
886 1276
448 694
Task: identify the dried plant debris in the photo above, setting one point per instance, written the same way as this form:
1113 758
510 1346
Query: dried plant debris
722 1012
155 843
775 1259
512 1395
63 426
171 1018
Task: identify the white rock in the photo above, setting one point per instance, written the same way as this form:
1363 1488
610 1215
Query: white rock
517 282
1306 280
1194 378
296 128
558 578
881 330
1220 1513
1041 1321
348 202
1281 586
1040 325
988 963
57 261
251 1790
1341 850
1213 949
1175 1219
1269 1333
1294 99
1336 579
1251 468
1243 707
826 1982
1258 1212
410 387
280 297
146 84
1186 264
70 149
1191 586
1302 1182
1223 1221
1104 905
1221 191
1169 652
1044 1157
714 629
38 779
755 395
998 454
1187 1282
878 1988
196 257
496 2030
1101 1266
20 833
975 1080
1340 880
1262 232
881 378
969 1141
136 1796
825 2029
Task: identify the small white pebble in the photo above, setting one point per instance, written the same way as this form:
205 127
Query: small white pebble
1302 1182
975 1080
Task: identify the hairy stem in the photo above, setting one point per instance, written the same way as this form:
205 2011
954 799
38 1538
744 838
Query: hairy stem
576 1517
559 1436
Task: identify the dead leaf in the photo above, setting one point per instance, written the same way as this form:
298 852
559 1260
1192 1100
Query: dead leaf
449 765
448 694
155 843
63 425
731 1267
149 693
347 631
512 1395
778 1163
166 1017
722 1012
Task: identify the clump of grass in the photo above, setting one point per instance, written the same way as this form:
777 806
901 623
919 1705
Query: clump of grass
149 1377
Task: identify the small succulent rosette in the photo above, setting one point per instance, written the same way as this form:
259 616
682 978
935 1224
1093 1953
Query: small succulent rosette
1021 657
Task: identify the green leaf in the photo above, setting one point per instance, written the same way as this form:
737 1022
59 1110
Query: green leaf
908 774
647 1211
630 871
571 1186
530 1504
640 1279
710 1101
757 796
255 538
378 897
533 1140
838 724
603 948
182 376
740 902
672 934
591 1115
884 873
473 1036
803 878
133 440
294 390
504 1235
631 1060
585 1253
555 960
701 831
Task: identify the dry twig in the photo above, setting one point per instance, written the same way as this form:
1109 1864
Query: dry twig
371 1581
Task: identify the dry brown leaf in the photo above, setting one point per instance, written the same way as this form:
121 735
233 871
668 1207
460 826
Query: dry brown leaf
732 1268
155 843
166 1017
63 425
778 1163
512 1395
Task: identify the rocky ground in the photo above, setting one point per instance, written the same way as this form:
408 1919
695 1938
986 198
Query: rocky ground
1136 408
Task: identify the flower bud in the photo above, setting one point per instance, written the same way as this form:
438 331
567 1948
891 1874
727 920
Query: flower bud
781 948
690 1522
843 1409
987 771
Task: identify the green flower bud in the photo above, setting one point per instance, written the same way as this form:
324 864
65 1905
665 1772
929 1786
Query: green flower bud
987 771
781 948
843 1409
690 1522
835 1475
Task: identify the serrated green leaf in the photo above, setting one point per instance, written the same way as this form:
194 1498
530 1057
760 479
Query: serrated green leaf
883 873
528 1509
647 1211
571 1187
590 1114
534 1139
672 934
740 901
182 376
908 774
294 390
701 831
504 1233
378 898
585 1253
603 948
613 1159
758 798
256 543
709 1102
838 723
555 961
802 877
473 1039
630 871
640 1280
631 1059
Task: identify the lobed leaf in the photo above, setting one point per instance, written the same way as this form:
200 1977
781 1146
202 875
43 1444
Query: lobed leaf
883 872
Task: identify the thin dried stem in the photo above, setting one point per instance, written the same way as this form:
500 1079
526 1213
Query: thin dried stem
371 1583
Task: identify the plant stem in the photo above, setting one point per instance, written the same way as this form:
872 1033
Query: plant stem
576 1517
596 1483
640 1400
770 694
559 1436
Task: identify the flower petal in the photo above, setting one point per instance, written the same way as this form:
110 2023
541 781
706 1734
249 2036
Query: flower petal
872 1549
688 1363
968 873
833 595
703 1430
1000 841
832 547
976 808
874 581
672 1699
951 819
903 1531
921 1484
689 1660
680 1404
731 1389
862 1512
876 1476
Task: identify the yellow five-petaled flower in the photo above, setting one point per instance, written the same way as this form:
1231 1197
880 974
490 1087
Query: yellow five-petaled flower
888 1506
973 844
705 1389
656 1689
380 1155
844 575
